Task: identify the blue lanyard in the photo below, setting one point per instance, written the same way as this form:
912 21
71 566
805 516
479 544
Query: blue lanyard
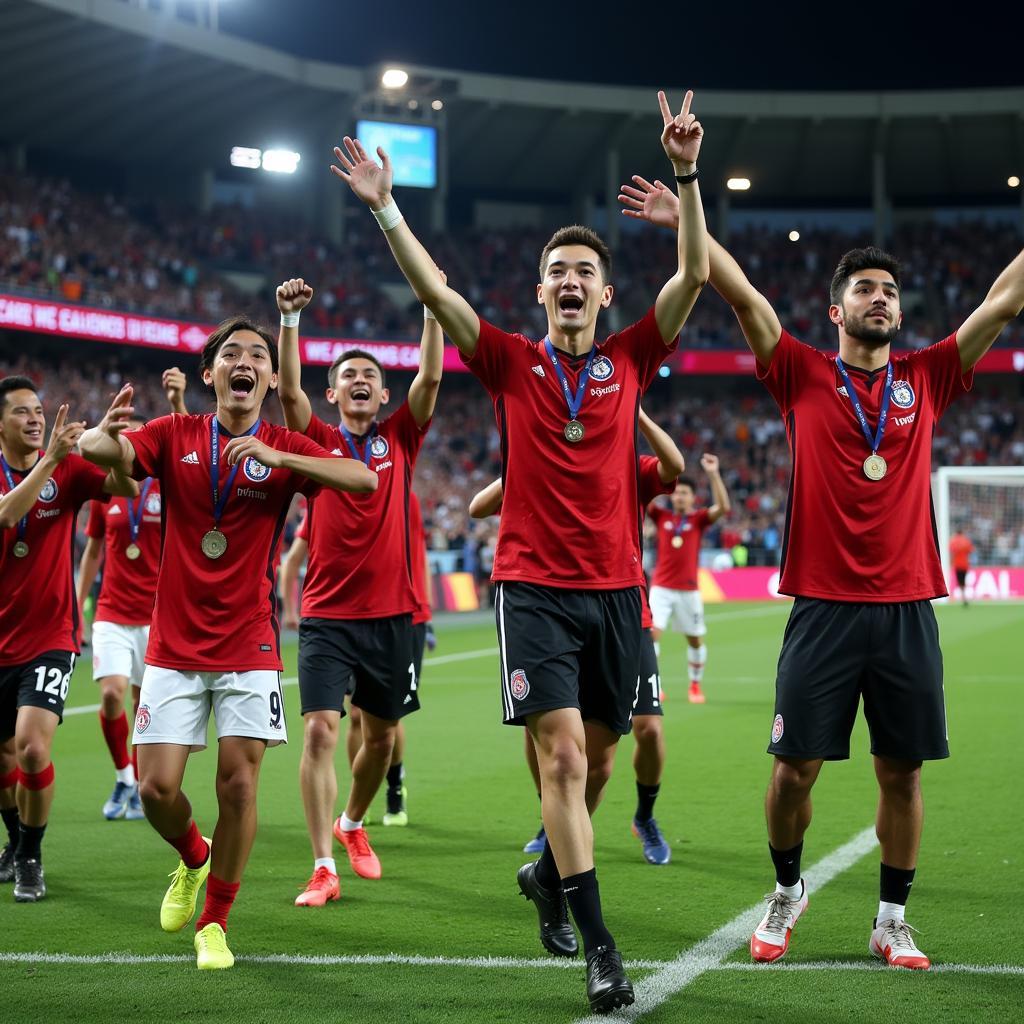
681 526
883 412
573 401
221 500
135 514
366 454
23 522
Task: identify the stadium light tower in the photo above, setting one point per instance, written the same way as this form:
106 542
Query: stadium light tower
394 78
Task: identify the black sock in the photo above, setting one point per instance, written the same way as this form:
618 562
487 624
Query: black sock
547 870
395 776
30 842
645 797
10 817
787 864
894 884
585 903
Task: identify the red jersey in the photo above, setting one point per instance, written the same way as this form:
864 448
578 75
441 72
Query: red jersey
849 538
960 548
128 591
301 531
38 609
418 540
217 615
569 516
677 564
651 485
360 563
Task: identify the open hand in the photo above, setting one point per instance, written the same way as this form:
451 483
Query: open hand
121 411
293 295
64 435
370 181
655 203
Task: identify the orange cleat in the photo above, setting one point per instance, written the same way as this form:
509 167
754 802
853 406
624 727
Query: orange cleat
323 886
696 696
360 854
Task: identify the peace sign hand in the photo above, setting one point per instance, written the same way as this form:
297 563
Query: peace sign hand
64 436
681 134
370 181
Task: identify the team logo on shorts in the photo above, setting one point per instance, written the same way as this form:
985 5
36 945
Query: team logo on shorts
519 684
379 448
778 728
255 471
602 368
153 504
902 394
143 718
49 491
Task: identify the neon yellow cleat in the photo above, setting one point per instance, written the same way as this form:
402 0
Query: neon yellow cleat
212 953
179 905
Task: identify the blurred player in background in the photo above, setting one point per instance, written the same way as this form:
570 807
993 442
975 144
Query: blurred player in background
960 550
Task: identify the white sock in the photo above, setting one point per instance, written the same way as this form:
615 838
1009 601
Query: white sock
794 892
348 825
890 912
657 648
326 862
125 775
697 658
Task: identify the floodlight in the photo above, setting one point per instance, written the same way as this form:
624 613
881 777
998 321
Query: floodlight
281 161
394 78
794 236
738 184
241 156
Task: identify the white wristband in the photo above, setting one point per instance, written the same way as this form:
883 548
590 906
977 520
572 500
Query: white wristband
290 319
427 315
388 216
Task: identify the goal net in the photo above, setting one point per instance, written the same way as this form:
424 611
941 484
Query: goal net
986 504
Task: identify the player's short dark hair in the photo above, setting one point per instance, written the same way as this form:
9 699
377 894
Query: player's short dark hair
868 258
15 383
224 330
687 481
577 234
354 353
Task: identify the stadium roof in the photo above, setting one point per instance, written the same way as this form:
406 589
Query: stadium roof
115 80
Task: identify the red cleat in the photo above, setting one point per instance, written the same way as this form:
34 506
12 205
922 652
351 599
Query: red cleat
892 942
696 696
771 937
323 886
360 854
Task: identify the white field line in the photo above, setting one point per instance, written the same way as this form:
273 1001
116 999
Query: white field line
871 965
710 952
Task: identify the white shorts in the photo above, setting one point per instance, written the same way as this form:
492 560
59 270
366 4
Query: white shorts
685 609
174 707
119 651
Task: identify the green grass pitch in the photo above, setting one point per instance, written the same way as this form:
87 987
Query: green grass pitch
449 889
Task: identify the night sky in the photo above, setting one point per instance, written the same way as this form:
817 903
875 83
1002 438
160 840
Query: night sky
707 44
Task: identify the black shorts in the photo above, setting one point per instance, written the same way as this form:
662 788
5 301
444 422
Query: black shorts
568 649
961 578
419 643
833 653
40 683
370 658
648 694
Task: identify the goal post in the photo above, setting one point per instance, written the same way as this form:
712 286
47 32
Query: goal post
987 504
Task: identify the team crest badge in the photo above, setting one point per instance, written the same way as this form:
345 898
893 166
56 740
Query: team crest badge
519 684
602 368
379 448
778 728
153 504
902 394
49 491
143 718
255 471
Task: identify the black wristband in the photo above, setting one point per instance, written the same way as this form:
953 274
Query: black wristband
685 179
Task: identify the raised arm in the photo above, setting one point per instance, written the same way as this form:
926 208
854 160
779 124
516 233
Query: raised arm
488 501
761 327
292 297
371 182
1004 303
173 381
104 444
425 385
681 136
338 474
720 504
670 458
289 577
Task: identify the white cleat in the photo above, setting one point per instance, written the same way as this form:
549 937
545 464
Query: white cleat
892 942
771 937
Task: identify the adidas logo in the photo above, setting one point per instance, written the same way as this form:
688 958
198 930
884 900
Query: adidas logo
408 699
192 458
115 511
539 370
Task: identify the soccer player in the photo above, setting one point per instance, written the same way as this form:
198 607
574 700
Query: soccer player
358 596
40 495
960 551
226 482
568 555
860 424
675 594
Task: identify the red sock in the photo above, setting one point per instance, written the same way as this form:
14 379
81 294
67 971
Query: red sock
191 846
219 897
115 732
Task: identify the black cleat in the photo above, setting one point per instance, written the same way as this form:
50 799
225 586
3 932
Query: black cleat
7 864
29 884
608 988
556 933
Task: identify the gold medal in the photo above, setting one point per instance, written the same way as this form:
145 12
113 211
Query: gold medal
133 551
677 541
214 544
875 467
20 549
573 431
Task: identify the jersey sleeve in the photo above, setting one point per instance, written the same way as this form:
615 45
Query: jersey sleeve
651 484
940 363
702 519
149 442
299 444
87 481
658 514
321 433
95 527
787 370
641 344
489 363
408 432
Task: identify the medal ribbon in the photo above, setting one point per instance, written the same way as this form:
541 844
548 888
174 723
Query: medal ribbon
221 500
883 412
351 441
135 514
573 401
23 522
680 526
